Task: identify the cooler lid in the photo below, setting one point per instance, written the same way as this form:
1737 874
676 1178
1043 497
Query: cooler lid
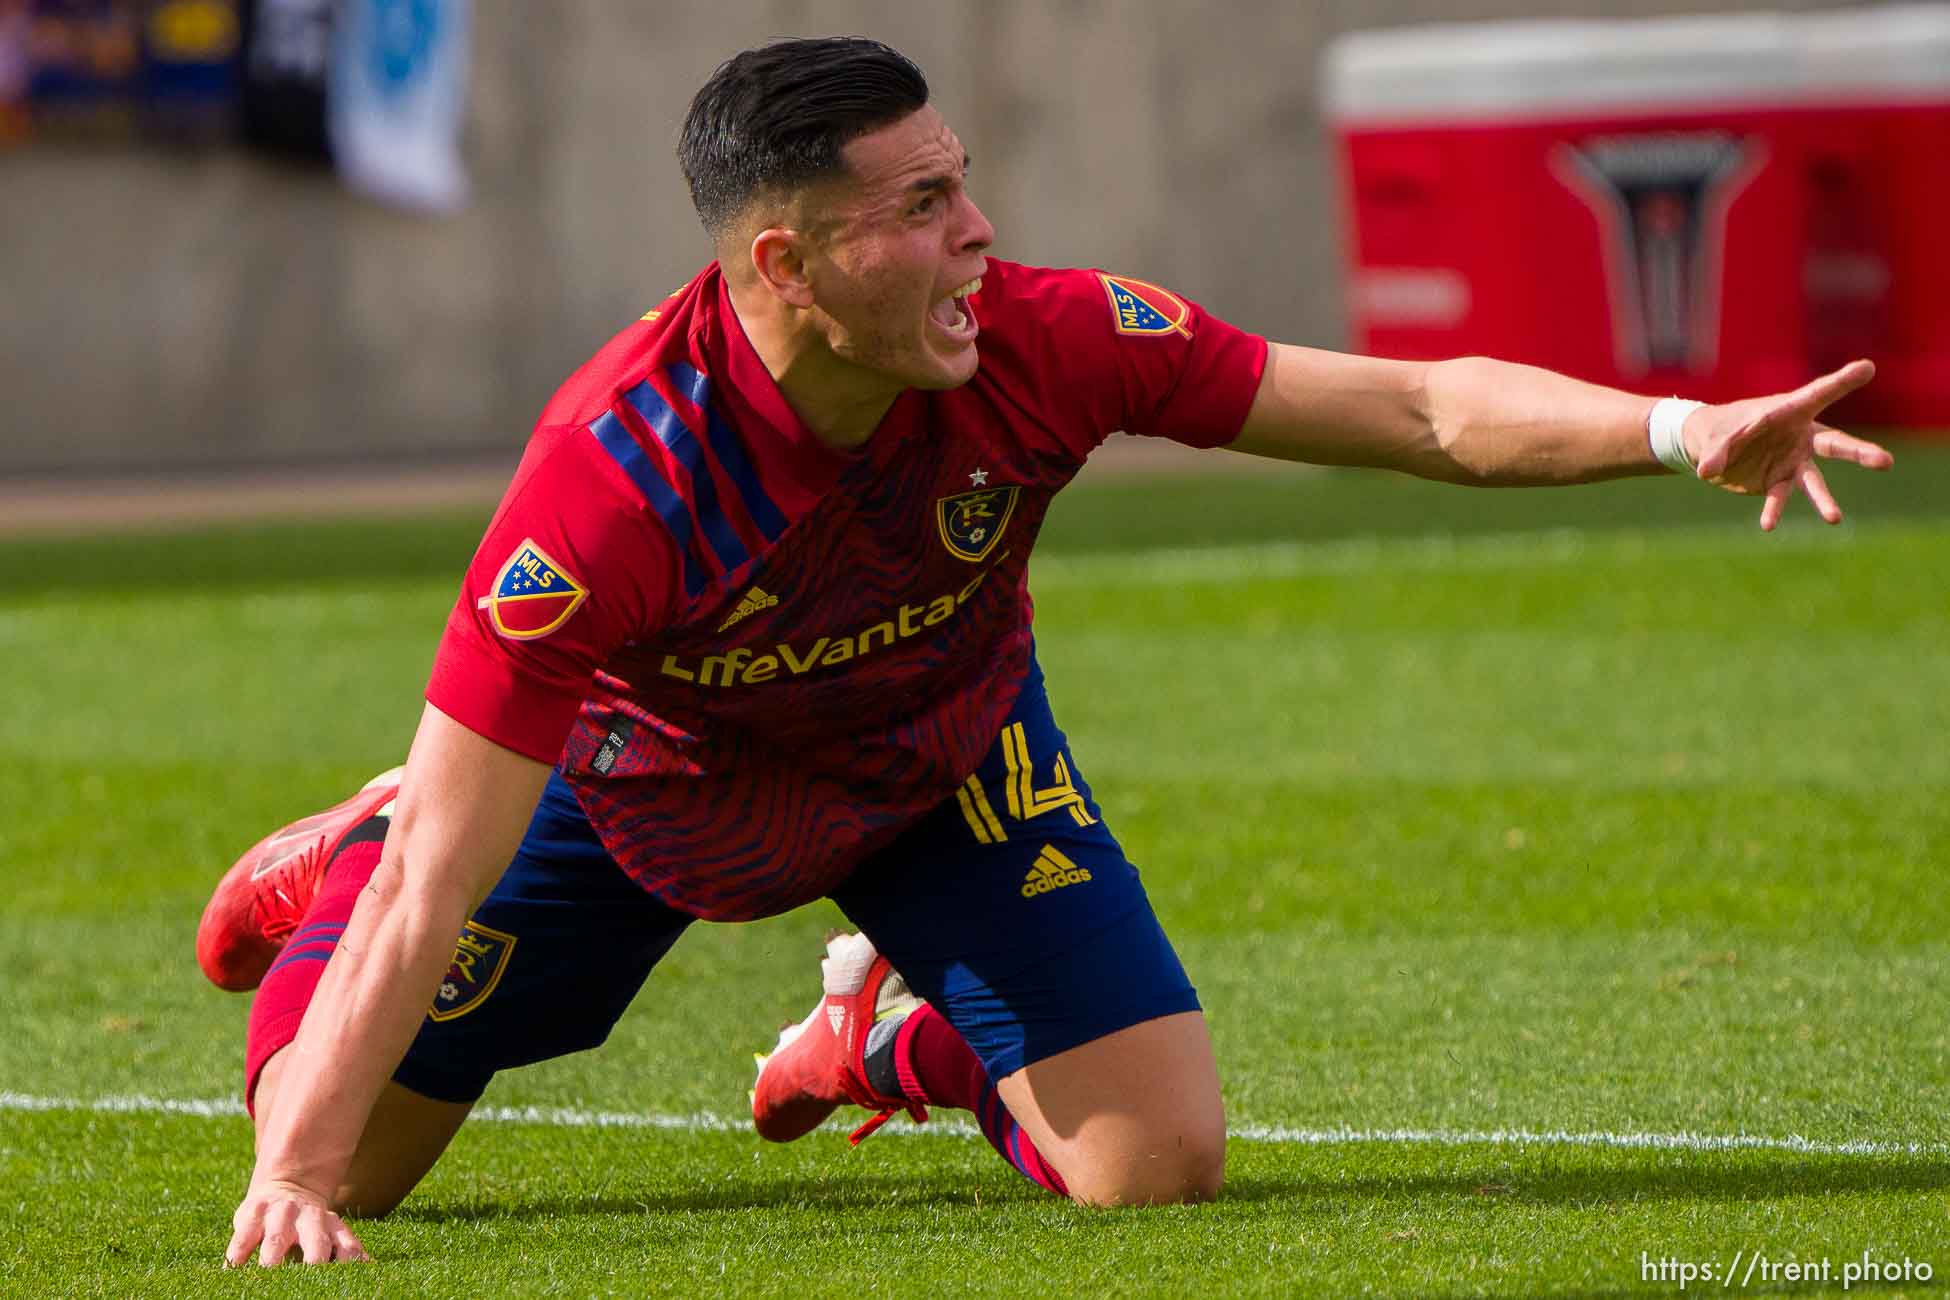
1531 69
1890 52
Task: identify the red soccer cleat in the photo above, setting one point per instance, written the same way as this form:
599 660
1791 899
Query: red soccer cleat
261 899
820 1063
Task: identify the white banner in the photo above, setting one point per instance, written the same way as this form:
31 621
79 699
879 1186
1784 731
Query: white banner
398 88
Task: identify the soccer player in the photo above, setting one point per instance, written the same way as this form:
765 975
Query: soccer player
751 627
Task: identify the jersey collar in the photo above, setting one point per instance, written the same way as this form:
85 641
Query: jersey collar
765 418
758 410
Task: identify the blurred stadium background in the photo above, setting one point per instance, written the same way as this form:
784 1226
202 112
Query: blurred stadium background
178 301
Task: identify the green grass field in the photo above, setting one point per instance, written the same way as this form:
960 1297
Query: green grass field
1521 845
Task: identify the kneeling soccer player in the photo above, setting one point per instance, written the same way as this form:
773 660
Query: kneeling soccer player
751 627
550 959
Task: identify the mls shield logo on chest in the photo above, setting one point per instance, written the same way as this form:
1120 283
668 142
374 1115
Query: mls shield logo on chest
972 522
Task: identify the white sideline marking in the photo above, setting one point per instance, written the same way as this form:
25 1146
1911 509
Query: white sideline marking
704 1122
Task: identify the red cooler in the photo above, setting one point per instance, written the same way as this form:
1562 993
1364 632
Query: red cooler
1712 206
1878 274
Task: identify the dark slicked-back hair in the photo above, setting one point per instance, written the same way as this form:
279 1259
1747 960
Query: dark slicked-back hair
775 118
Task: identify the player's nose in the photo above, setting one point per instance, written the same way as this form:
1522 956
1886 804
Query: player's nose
972 231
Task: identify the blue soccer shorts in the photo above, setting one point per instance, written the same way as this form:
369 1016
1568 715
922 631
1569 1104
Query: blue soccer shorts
1011 908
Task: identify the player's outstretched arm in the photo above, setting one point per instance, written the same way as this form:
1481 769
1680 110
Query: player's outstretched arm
464 804
1494 423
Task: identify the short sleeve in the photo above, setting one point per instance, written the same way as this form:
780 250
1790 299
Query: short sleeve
1142 359
571 568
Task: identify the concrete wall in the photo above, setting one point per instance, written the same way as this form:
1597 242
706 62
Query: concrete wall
186 311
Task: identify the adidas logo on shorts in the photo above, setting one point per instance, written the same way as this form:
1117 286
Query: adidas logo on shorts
1052 870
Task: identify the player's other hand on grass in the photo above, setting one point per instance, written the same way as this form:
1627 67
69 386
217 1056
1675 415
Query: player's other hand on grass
1768 446
283 1221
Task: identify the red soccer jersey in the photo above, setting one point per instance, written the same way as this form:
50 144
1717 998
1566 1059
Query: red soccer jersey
767 657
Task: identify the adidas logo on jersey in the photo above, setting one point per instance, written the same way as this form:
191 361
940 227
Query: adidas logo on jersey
1052 870
754 600
836 1017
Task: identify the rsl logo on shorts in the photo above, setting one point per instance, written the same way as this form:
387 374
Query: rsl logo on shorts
1140 308
972 522
533 595
480 956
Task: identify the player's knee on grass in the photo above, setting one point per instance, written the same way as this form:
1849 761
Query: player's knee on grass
1189 1166
404 1137
356 1202
1132 1118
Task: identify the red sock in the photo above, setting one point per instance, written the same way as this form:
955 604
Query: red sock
937 1067
286 990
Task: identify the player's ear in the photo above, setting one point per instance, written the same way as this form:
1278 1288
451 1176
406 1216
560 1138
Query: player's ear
779 259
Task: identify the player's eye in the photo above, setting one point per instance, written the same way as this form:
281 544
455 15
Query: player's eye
925 206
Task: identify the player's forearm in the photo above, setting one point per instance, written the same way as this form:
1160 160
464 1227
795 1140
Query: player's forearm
1471 420
1495 423
464 802
369 1004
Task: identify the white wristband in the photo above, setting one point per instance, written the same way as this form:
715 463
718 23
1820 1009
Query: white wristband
1665 427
